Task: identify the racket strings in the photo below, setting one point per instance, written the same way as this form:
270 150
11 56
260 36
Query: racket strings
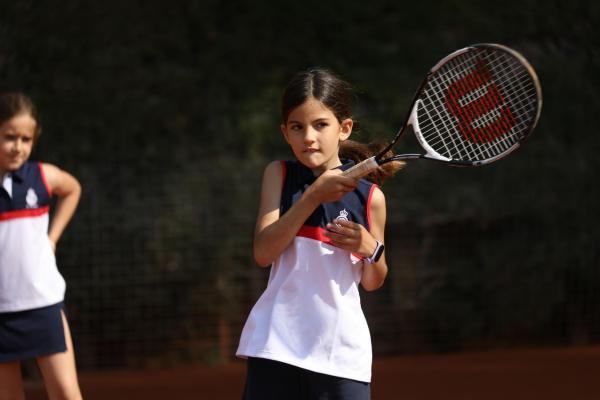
466 148
501 99
453 147
483 119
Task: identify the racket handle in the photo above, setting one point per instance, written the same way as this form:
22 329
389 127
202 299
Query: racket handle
362 168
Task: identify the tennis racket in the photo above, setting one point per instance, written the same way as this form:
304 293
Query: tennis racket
474 107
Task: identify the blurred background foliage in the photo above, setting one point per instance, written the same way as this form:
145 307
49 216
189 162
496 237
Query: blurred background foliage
167 112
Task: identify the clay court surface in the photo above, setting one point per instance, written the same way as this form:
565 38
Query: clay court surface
548 374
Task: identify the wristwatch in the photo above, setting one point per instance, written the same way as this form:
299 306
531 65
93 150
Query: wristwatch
376 254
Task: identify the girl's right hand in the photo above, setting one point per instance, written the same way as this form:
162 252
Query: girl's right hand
331 186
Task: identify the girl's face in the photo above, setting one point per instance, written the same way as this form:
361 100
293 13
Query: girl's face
16 141
314 133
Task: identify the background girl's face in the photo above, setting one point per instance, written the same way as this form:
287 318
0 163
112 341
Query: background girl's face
314 133
16 142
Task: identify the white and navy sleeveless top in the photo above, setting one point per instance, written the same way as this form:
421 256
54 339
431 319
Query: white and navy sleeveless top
310 314
29 277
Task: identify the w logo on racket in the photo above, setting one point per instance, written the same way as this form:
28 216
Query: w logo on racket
478 104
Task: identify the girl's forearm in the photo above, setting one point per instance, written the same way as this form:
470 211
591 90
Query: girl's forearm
374 275
273 239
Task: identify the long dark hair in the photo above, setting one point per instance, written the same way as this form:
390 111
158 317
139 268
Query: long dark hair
17 103
337 95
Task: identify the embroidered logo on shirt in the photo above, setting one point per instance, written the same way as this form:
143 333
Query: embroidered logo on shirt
343 216
31 199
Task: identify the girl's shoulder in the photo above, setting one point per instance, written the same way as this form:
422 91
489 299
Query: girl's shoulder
274 169
59 180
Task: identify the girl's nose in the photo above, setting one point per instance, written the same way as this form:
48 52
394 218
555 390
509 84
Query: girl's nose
309 136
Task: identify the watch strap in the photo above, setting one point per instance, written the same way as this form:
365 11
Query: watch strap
376 254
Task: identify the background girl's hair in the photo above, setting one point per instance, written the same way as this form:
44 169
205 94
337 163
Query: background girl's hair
16 103
337 95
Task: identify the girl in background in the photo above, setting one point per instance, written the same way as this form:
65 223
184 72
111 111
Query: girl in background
32 318
322 234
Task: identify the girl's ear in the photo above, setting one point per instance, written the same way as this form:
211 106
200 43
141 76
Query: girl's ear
346 129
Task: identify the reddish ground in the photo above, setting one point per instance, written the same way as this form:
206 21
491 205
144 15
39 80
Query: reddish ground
548 374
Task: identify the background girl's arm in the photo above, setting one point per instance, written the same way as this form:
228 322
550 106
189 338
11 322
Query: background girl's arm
354 237
273 232
68 191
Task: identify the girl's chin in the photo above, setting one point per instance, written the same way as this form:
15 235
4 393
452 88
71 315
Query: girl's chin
13 166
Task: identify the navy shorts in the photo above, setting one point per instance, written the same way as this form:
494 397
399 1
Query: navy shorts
273 380
31 333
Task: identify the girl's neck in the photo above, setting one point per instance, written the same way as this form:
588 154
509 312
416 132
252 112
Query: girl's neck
331 164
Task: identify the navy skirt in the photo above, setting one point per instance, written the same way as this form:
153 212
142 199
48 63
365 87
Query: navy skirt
31 333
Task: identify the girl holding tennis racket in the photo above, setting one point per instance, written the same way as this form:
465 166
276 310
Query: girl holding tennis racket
32 318
322 233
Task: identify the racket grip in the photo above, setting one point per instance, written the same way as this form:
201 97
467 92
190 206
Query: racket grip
362 168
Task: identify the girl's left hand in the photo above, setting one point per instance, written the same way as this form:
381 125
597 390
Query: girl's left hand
351 236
